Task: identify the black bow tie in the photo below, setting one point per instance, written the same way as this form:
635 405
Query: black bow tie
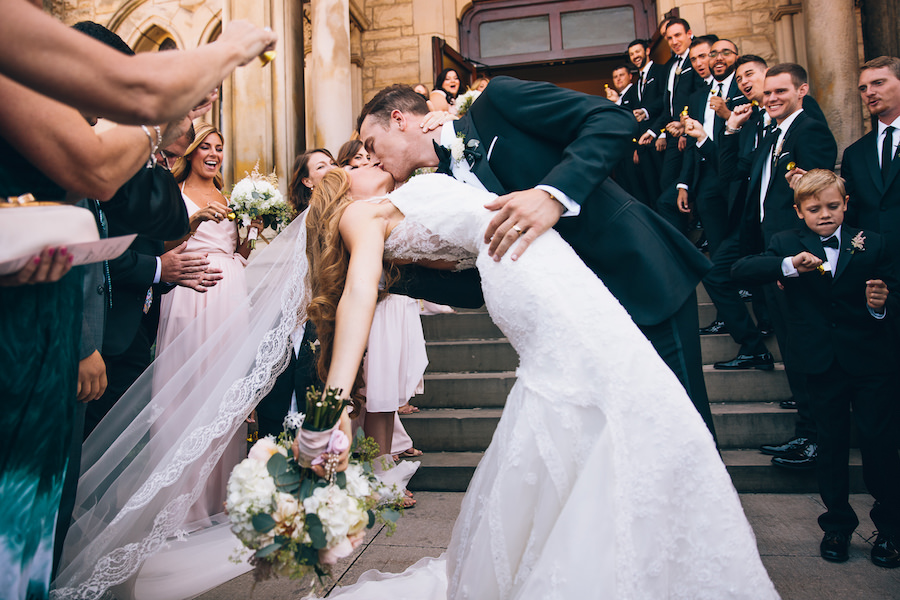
831 242
444 159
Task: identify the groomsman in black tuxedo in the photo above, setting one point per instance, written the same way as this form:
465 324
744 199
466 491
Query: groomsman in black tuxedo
549 152
798 140
699 183
668 202
650 86
292 383
870 166
625 94
838 280
681 80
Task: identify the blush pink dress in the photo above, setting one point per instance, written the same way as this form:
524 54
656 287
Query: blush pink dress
224 302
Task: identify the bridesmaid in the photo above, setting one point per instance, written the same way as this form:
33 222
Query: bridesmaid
199 173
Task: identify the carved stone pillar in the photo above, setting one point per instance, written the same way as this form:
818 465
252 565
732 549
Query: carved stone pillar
832 53
330 85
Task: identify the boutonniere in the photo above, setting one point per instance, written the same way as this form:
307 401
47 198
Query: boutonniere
858 243
457 147
460 149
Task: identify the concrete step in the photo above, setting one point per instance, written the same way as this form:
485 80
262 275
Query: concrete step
738 425
466 390
465 356
469 356
746 386
489 389
751 472
472 325
719 347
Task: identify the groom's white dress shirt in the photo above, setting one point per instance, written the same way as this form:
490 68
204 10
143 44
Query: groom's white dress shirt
463 172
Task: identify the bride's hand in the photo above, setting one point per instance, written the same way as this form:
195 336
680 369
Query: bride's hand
522 216
345 455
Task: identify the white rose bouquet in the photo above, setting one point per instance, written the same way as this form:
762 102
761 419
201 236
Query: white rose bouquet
297 523
464 102
256 197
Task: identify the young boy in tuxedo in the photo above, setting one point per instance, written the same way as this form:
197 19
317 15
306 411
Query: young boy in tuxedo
838 280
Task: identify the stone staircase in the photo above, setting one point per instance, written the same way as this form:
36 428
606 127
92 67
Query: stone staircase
472 368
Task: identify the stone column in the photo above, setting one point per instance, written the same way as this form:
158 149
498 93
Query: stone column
248 111
331 91
832 53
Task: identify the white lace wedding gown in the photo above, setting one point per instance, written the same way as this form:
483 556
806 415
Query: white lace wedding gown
601 479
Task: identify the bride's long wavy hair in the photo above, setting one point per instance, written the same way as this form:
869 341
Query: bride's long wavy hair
329 261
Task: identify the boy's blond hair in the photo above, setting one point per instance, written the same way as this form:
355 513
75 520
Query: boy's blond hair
815 182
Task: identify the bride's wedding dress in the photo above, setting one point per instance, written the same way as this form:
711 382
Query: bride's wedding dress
601 479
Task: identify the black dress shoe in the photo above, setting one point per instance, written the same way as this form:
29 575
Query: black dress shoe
788 404
800 460
765 328
886 551
786 448
763 362
714 328
835 546
702 244
746 295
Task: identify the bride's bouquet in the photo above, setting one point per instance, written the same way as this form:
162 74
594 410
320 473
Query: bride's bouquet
256 197
296 522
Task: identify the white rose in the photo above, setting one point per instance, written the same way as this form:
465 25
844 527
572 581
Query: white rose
357 483
264 448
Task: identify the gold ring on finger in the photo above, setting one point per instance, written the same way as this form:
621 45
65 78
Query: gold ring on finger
517 229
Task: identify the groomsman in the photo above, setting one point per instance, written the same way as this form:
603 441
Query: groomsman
798 140
667 203
680 82
698 182
292 383
870 166
735 144
650 89
625 94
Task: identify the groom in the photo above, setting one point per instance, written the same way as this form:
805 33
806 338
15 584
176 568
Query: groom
548 153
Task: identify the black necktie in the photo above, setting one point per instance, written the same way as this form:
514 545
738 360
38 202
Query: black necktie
831 242
641 87
886 153
773 140
444 159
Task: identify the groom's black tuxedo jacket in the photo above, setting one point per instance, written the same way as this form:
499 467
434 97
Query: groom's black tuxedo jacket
828 315
873 204
534 133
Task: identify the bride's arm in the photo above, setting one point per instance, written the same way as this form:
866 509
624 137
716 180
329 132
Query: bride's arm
363 233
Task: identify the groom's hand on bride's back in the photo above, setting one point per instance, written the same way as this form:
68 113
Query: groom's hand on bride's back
521 217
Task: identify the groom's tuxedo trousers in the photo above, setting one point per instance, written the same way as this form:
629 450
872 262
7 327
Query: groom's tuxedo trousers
533 133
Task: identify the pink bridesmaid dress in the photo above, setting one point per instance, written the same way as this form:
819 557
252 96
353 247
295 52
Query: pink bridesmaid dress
226 301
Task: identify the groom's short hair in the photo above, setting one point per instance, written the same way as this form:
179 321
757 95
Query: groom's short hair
397 97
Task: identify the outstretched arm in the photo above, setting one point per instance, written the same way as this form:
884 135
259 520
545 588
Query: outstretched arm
363 233
152 87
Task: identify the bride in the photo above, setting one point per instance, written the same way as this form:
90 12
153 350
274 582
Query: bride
567 501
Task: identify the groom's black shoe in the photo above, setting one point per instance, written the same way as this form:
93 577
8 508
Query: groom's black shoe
714 328
886 551
786 448
800 460
835 546
763 362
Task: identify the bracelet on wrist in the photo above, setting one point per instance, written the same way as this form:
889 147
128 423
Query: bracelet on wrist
731 130
155 143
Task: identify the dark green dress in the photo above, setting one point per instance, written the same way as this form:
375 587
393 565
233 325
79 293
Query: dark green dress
40 327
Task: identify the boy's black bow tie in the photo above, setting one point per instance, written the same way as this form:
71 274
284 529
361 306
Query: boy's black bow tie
831 242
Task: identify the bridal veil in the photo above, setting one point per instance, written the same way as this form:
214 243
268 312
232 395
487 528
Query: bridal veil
148 461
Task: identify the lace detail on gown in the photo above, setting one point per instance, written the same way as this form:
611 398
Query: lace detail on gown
413 241
601 475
